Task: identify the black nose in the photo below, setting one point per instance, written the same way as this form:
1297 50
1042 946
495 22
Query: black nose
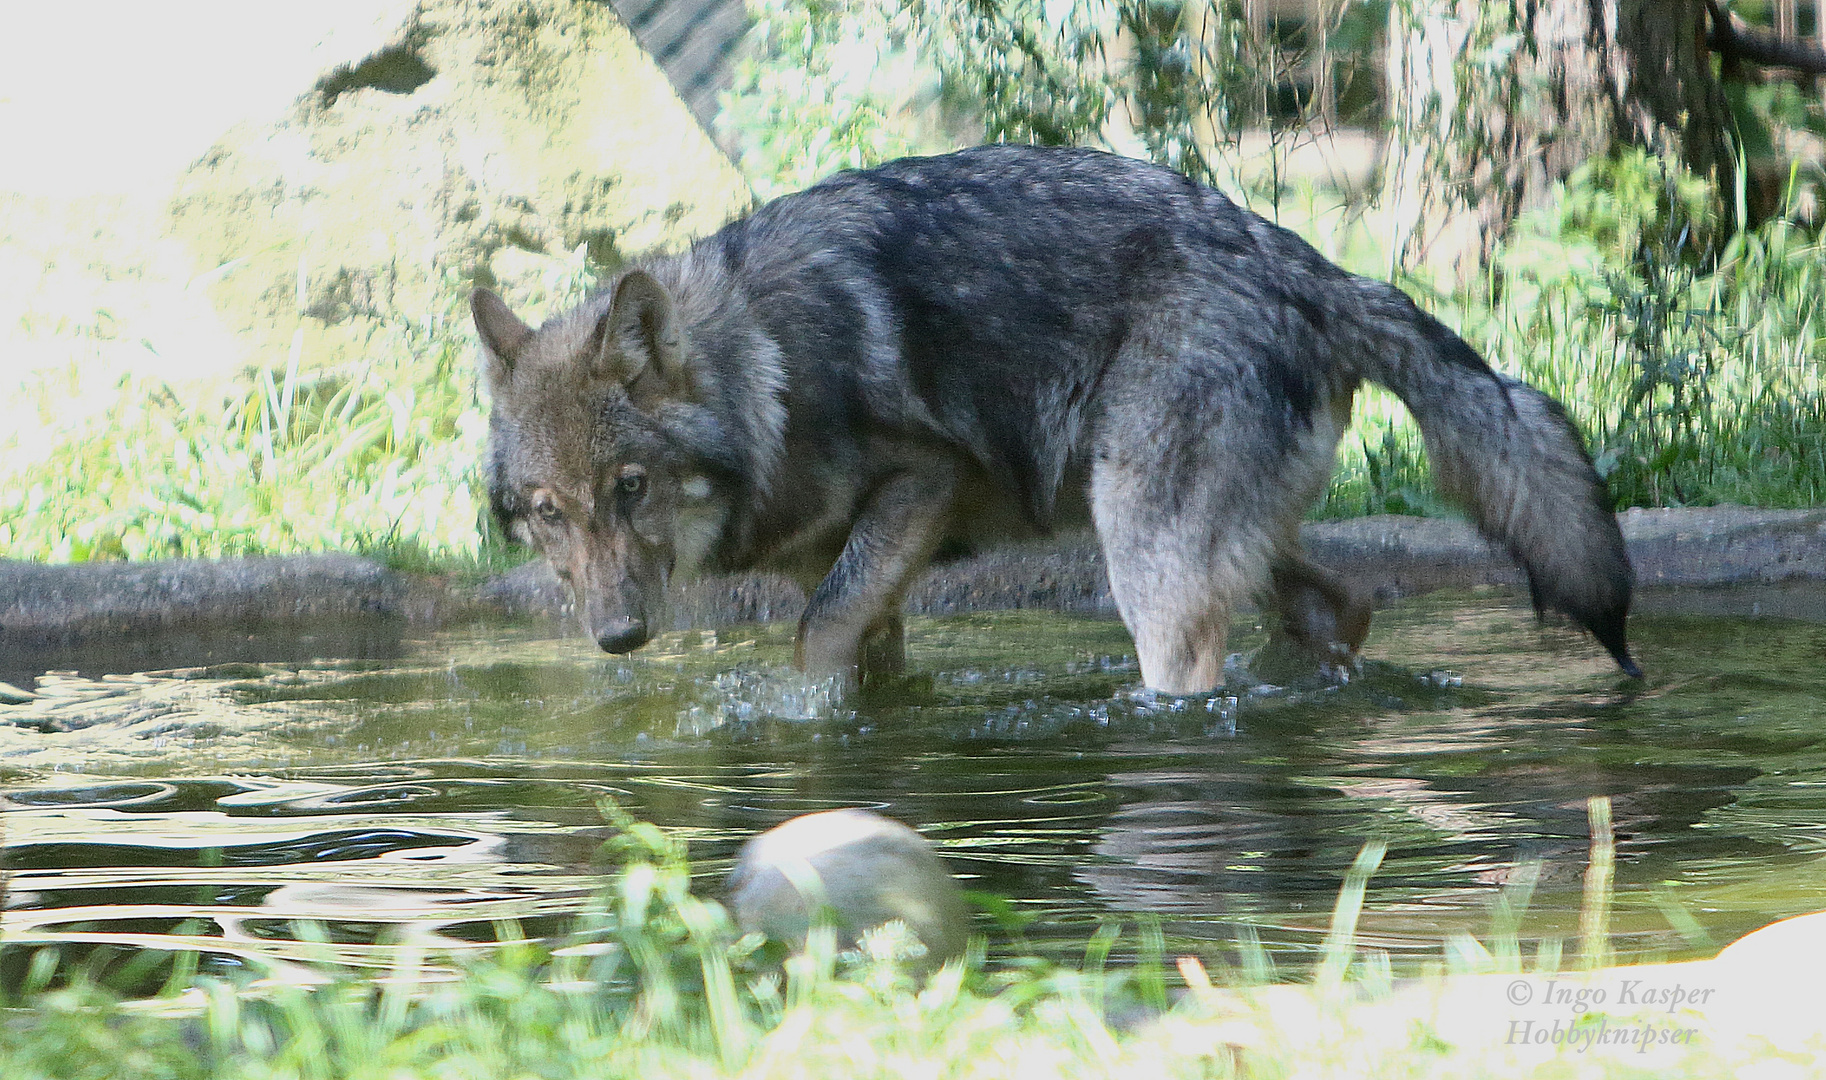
621 635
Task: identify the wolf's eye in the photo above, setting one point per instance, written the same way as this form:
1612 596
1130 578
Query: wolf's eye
547 507
633 483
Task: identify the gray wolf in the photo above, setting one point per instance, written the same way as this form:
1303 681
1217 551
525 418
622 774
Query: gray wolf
998 342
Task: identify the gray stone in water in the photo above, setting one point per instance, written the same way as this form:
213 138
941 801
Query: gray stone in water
858 869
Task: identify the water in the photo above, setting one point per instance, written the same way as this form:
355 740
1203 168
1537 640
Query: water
259 816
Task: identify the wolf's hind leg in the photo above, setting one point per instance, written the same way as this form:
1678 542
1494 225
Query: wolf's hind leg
858 602
1176 576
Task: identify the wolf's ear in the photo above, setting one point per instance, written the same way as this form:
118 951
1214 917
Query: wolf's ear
503 335
641 345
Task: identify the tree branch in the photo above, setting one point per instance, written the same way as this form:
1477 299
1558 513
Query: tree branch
1734 41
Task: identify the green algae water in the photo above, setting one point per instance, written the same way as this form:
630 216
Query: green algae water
265 817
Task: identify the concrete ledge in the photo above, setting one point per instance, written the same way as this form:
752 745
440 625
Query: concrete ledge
44 606
1725 545
111 615
1708 546
146 616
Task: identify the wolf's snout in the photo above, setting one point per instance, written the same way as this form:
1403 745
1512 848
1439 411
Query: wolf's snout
621 635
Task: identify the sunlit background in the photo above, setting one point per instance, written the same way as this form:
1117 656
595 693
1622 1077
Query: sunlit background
102 107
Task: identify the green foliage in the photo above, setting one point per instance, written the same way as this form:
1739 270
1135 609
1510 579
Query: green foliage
829 85
279 461
380 458
847 83
653 981
1697 376
1036 72
1697 379
1382 467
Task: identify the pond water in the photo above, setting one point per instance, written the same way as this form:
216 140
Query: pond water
453 790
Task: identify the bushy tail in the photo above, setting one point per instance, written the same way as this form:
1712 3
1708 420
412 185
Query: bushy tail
1509 455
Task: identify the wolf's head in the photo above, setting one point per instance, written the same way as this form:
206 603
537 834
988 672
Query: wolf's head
591 456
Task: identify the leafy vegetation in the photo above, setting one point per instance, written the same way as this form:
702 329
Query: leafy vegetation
1698 377
275 461
379 458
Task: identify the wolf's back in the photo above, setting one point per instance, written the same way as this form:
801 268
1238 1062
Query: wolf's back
1508 455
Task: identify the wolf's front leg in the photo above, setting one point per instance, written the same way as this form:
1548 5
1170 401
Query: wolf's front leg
884 645
859 600
1323 619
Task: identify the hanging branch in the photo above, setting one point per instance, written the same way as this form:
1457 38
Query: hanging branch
1739 43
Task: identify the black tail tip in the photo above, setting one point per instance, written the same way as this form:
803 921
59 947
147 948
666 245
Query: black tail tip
1608 629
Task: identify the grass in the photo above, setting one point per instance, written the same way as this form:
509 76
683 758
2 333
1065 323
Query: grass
378 458
284 459
1698 377
655 982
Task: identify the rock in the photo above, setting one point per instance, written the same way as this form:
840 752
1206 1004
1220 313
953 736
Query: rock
479 141
860 868
1394 556
1065 573
1725 545
55 602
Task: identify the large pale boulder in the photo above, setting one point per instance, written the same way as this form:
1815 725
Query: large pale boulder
482 140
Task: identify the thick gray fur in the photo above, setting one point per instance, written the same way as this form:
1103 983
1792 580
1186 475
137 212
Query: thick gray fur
943 351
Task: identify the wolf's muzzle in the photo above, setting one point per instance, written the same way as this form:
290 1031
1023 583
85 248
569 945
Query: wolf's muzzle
621 635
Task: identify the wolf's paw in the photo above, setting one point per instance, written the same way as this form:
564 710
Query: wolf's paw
1289 662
